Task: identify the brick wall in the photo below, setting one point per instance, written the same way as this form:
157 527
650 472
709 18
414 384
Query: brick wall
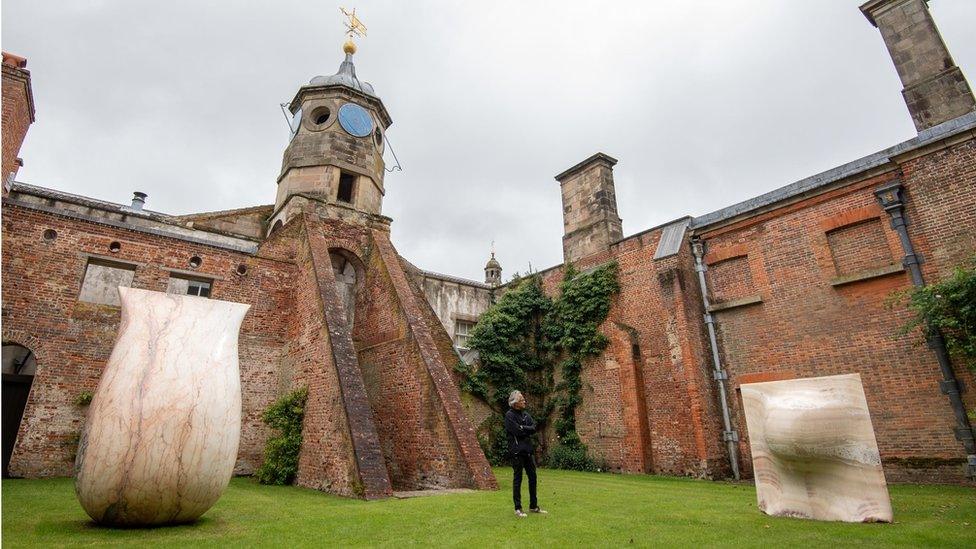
800 290
72 339
824 269
648 404
18 112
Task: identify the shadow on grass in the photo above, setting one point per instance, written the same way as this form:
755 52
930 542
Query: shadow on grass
202 524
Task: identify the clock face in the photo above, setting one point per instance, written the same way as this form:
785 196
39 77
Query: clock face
355 120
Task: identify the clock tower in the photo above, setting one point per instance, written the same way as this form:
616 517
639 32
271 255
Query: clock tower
334 160
383 412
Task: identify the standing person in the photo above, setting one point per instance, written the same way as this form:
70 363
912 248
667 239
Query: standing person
519 427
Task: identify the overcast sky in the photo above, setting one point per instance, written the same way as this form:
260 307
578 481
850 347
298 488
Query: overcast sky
705 103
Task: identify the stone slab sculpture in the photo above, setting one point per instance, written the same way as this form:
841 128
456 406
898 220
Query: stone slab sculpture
161 438
814 454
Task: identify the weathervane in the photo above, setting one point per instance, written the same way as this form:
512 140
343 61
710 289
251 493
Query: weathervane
354 28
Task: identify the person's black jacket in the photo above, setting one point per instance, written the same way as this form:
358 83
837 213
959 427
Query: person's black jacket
519 426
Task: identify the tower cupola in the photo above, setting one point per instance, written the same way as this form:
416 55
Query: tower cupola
493 271
334 159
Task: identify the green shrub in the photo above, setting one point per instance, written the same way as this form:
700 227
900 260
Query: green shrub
494 441
949 306
281 451
84 398
571 455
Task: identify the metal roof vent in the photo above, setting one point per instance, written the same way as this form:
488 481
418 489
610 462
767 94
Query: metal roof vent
138 200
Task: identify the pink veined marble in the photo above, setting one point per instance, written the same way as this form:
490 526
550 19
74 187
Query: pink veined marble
161 438
814 454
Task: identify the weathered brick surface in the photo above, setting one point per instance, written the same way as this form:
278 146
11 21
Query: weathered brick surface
294 335
800 290
18 113
458 433
383 410
806 327
340 447
650 407
376 418
72 339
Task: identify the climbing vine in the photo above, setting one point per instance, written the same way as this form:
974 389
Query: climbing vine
948 306
281 451
524 341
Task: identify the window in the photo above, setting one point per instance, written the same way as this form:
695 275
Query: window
462 330
102 281
347 183
188 286
319 116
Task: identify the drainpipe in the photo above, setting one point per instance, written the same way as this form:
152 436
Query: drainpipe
892 200
729 435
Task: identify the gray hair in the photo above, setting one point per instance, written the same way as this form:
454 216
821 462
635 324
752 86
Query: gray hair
513 397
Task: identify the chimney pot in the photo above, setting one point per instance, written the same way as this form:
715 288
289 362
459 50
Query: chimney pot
138 200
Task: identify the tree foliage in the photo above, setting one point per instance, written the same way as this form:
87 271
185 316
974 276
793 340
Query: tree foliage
281 451
524 339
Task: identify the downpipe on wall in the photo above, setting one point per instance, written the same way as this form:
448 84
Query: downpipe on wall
891 197
730 435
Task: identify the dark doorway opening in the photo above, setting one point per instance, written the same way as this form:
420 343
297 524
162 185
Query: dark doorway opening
19 366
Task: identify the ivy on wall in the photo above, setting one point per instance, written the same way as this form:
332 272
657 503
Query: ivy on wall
523 341
948 306
281 451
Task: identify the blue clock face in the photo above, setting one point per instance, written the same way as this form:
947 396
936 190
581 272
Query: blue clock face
355 120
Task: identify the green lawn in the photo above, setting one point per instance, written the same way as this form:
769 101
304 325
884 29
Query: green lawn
585 509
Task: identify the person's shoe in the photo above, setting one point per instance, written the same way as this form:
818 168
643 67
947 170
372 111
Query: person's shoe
520 514
539 510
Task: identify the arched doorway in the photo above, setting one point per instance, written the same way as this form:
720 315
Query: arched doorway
344 266
19 366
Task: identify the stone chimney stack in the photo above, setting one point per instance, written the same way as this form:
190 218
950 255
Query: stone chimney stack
18 114
935 89
590 220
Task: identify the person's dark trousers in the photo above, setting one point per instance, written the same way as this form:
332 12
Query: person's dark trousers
527 462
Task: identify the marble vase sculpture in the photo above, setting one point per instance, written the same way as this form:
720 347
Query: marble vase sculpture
814 454
161 438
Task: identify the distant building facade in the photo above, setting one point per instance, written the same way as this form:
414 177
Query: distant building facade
793 284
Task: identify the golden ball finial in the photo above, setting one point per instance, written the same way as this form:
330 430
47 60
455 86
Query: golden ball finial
349 47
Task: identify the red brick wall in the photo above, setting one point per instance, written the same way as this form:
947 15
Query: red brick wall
340 448
72 339
655 412
295 334
812 320
391 409
806 327
17 116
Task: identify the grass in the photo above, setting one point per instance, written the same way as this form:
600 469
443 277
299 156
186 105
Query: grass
586 509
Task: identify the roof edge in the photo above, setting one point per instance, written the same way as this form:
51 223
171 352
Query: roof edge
926 137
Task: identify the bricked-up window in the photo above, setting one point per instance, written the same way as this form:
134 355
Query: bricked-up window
730 279
102 281
859 247
462 331
347 184
183 285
